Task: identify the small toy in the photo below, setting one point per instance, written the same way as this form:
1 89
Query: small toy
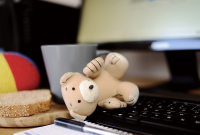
17 72
82 93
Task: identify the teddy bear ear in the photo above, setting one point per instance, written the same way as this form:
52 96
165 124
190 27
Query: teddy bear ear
65 77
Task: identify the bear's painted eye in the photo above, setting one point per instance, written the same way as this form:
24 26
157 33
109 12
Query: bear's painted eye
73 88
91 87
89 90
79 101
66 88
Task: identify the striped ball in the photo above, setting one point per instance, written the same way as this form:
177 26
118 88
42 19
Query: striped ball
17 73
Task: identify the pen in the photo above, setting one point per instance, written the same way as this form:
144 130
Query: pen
82 127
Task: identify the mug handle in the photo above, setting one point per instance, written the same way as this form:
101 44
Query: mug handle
102 52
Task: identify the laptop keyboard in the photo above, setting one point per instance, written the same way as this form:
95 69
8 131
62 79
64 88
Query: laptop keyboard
152 115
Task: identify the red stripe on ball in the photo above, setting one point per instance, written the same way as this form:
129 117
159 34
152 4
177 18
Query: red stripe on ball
26 75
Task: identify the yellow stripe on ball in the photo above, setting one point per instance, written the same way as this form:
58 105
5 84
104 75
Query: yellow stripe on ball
7 81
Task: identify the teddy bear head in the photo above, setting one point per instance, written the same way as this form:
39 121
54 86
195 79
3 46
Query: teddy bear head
79 95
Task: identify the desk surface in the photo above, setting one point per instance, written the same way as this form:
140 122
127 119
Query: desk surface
140 82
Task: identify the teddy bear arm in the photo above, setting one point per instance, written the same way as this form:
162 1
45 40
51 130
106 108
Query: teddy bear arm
94 67
112 103
116 64
77 116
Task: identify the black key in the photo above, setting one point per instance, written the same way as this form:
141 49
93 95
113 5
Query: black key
168 105
142 99
144 114
181 120
168 117
159 103
105 113
132 118
139 103
133 112
149 102
157 111
172 105
118 116
182 107
184 110
195 108
173 108
146 109
164 101
177 103
150 107
182 115
196 117
170 112
196 112
195 122
136 107
121 110
187 106
160 107
155 115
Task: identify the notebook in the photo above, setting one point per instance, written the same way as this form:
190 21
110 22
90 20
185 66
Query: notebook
58 130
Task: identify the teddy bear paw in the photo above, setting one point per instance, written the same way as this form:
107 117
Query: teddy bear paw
112 103
114 58
123 104
94 66
133 96
130 103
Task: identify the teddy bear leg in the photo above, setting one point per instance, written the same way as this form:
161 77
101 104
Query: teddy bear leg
116 64
112 103
129 92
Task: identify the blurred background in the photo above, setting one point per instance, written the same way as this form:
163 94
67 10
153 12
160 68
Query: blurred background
25 25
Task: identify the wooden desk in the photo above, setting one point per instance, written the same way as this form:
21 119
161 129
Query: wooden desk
11 131
140 82
57 110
